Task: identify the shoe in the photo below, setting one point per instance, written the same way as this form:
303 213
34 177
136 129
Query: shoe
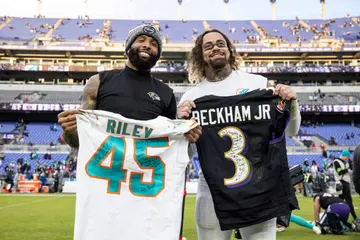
317 230
280 229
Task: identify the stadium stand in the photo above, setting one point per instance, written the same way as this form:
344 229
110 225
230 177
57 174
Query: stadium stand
12 157
6 127
177 31
339 98
25 29
294 159
40 97
255 34
290 142
40 133
341 133
329 98
80 29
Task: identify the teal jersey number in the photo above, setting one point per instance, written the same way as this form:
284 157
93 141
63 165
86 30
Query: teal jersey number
115 174
155 163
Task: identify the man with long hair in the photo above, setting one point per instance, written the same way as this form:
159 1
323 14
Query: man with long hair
213 63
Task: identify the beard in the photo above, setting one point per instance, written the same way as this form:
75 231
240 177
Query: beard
139 62
218 63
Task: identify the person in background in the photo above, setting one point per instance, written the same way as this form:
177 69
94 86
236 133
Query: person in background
301 222
34 155
343 166
336 214
16 180
54 127
47 156
307 180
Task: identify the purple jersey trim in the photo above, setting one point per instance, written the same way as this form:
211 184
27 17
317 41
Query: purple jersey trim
276 140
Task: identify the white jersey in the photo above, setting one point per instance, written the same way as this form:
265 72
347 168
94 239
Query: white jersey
235 84
130 177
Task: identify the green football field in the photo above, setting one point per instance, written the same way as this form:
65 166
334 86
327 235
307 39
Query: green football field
51 217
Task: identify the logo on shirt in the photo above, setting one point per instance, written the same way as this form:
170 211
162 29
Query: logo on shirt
280 105
153 96
241 91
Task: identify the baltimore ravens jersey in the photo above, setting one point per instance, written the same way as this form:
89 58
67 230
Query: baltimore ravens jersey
130 177
242 152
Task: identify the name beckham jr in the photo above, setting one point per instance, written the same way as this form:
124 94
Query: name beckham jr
232 114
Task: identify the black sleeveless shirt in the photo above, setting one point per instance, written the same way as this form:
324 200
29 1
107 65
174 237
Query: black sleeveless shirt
135 94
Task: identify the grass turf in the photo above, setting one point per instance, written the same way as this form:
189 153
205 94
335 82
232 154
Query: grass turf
51 217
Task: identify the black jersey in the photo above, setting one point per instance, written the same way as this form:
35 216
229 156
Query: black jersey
327 199
135 95
242 152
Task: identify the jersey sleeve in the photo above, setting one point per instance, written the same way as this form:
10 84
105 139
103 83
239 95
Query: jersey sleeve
282 116
183 126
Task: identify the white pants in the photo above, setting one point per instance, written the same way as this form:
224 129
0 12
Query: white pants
208 227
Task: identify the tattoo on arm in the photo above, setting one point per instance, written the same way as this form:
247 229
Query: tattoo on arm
88 102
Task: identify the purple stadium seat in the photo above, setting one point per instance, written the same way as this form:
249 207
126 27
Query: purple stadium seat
7 127
180 32
71 31
40 133
21 33
338 131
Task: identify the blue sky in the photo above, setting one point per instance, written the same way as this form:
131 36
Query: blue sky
191 9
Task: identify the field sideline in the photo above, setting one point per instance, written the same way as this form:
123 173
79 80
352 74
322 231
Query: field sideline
51 217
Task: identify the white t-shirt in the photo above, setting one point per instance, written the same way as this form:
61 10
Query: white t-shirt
235 84
130 177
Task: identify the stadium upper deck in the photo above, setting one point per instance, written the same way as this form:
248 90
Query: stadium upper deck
115 31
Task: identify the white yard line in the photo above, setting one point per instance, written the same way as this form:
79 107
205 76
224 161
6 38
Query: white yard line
37 195
26 203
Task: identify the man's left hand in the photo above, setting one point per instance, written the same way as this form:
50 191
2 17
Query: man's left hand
285 92
194 134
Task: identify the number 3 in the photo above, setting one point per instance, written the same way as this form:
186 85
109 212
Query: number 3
115 174
243 168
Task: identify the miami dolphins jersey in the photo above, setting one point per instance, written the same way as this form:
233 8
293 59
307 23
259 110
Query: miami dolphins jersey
130 177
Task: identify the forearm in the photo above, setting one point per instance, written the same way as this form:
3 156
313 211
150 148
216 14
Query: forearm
316 210
72 139
295 119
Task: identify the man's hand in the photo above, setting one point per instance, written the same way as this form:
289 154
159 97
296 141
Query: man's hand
184 110
194 134
285 92
67 120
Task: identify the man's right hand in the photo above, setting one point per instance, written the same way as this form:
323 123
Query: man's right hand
67 120
184 110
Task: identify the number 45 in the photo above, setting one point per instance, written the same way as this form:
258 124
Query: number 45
115 174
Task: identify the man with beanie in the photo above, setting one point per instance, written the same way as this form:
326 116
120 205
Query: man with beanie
342 167
132 92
